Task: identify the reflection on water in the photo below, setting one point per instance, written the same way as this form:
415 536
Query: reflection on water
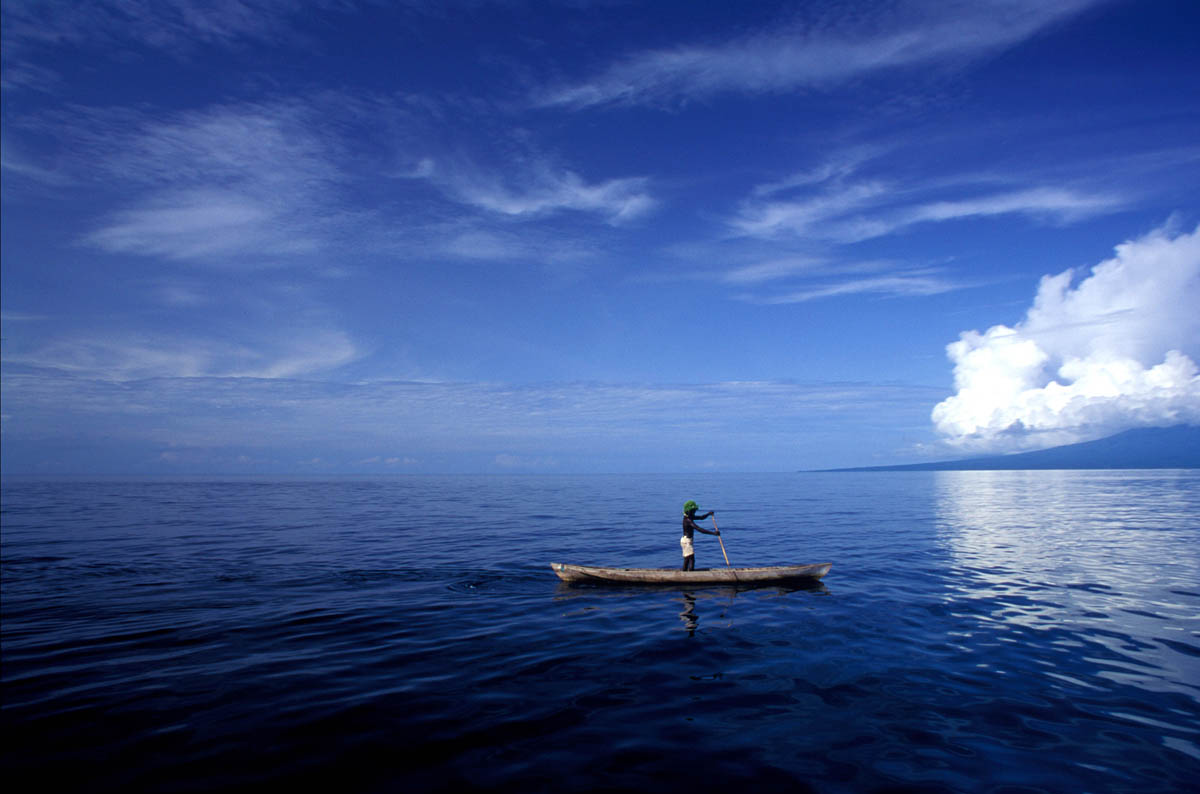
991 632
691 604
1089 529
689 617
1094 562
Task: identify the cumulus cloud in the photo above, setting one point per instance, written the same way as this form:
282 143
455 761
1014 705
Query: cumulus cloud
1113 350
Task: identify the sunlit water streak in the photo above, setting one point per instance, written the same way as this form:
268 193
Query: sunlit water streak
979 631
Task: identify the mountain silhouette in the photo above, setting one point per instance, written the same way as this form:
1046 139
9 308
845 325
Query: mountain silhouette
1142 448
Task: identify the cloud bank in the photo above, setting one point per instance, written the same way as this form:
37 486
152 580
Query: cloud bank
1115 350
64 421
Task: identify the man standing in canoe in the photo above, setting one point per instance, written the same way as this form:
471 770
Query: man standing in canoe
690 526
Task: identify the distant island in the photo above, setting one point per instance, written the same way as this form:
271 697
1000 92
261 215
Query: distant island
1143 448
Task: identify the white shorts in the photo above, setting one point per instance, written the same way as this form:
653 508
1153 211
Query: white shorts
686 543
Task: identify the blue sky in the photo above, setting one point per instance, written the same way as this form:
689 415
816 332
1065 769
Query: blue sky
335 237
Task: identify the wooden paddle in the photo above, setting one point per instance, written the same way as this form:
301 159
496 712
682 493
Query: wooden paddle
723 554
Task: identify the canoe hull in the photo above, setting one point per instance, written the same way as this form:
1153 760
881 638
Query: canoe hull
725 576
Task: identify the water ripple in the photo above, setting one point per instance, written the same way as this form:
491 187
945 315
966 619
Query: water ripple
983 632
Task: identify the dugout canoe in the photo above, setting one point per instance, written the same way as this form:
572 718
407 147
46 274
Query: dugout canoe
726 576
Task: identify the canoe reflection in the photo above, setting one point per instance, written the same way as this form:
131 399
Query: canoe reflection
565 590
689 617
712 602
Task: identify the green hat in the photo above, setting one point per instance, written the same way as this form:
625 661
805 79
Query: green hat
689 506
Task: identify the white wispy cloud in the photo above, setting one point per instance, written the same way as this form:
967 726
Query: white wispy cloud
840 164
19 75
534 187
815 54
824 210
904 283
833 212
849 213
22 317
252 183
203 225
249 181
175 294
263 329
800 279
15 164
277 144
171 25
773 270
263 183
561 254
1059 204
122 356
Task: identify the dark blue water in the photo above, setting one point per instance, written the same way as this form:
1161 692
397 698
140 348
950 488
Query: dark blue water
979 631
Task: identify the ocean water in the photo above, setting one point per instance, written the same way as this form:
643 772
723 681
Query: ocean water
979 632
